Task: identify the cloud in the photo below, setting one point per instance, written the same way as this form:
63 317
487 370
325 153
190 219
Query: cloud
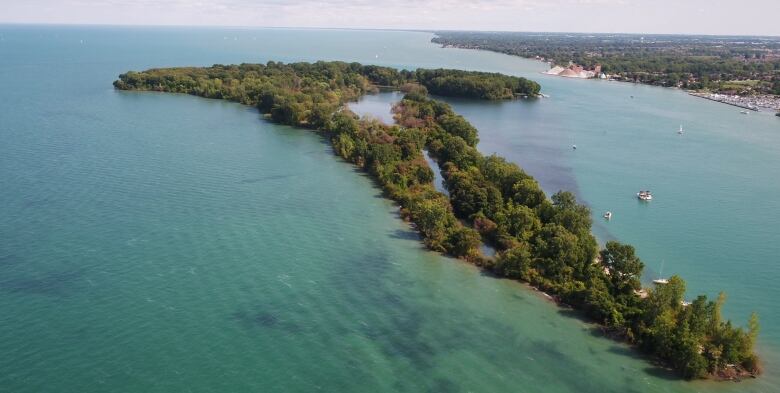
342 5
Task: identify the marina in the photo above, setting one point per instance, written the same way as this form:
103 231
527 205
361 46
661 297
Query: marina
754 103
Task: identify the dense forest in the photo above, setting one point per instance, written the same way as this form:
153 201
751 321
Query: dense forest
546 242
691 62
471 84
308 83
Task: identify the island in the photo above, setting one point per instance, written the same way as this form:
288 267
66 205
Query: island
737 70
545 242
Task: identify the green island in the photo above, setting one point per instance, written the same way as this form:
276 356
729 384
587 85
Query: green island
546 242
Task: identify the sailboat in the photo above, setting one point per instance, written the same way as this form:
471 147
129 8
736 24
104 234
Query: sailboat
660 280
680 131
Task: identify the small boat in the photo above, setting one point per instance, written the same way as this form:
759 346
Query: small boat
744 112
680 131
574 147
644 195
660 280
608 215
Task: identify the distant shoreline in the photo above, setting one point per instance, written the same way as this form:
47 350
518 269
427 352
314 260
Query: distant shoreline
733 100
746 102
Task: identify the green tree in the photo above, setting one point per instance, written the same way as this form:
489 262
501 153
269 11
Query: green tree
515 262
527 192
623 265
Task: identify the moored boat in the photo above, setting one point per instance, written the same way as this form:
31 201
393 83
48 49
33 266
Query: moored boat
645 195
660 280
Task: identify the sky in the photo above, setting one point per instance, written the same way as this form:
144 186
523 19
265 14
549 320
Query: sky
745 17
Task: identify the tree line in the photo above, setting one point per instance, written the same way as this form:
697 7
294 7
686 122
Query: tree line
308 84
691 62
544 241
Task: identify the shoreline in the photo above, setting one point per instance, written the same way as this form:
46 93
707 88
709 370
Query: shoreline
611 78
740 101
707 96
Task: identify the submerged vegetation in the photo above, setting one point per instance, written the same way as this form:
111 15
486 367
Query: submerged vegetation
546 242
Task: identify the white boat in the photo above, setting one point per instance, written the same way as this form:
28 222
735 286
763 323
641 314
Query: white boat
644 195
744 112
680 131
574 147
608 215
660 280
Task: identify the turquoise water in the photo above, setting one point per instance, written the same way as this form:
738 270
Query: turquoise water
154 242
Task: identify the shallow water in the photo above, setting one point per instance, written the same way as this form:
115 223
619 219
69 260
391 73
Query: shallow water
157 242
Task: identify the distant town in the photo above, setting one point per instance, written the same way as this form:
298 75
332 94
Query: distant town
754 102
741 71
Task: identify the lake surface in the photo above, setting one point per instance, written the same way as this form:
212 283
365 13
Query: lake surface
153 242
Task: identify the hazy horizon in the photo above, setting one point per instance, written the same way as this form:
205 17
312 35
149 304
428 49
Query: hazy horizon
377 29
694 17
